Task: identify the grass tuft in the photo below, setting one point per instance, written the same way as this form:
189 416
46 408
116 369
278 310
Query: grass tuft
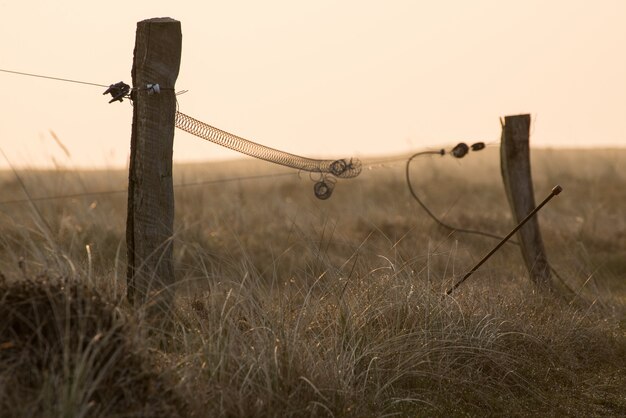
66 351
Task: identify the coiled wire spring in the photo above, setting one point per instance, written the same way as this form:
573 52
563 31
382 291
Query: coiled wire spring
342 168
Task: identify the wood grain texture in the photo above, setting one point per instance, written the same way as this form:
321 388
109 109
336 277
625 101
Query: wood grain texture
517 178
150 218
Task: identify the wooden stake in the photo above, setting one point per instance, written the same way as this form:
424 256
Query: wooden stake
516 175
150 218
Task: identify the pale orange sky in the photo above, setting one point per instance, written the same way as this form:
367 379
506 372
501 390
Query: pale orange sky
319 78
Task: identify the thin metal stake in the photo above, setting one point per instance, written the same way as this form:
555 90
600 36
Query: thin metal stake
555 191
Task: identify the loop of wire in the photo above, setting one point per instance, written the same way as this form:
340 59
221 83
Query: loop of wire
323 188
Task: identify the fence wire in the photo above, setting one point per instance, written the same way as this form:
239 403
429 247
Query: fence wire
372 165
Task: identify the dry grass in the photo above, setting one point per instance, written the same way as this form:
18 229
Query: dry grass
290 306
67 352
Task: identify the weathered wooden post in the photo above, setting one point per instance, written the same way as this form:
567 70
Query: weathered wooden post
149 226
516 175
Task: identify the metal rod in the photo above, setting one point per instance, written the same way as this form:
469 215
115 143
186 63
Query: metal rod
555 191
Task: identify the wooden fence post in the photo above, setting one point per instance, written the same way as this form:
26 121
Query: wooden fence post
516 175
149 225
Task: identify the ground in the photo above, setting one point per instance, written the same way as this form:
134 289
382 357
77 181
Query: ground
291 306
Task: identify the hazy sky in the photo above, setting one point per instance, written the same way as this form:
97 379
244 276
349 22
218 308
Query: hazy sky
319 78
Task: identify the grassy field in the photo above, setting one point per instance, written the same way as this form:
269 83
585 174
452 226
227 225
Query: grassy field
291 306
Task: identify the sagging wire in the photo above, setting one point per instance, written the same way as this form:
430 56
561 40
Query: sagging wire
459 151
328 169
342 168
